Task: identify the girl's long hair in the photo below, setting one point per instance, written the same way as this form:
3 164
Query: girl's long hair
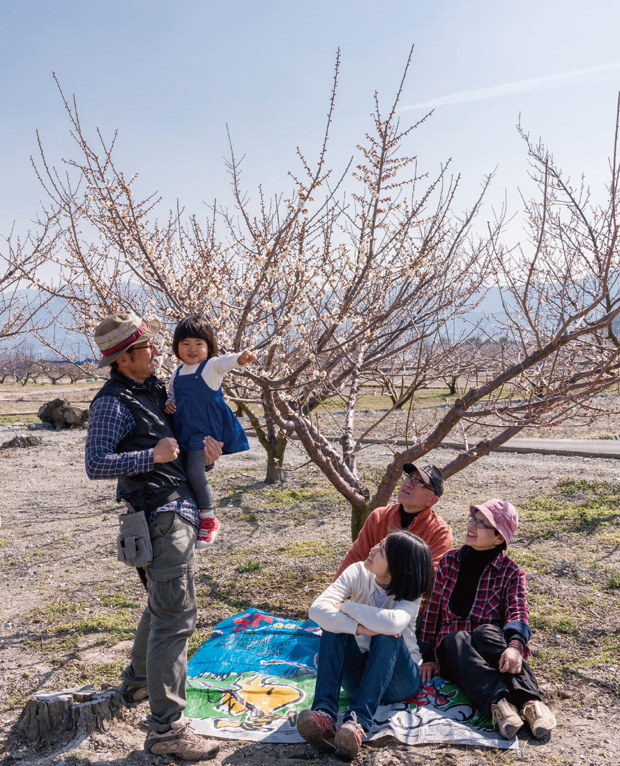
411 566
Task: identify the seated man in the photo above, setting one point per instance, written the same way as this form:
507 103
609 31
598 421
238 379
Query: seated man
421 489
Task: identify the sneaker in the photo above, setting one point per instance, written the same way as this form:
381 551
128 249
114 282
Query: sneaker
133 694
318 729
539 717
506 717
182 741
348 739
208 531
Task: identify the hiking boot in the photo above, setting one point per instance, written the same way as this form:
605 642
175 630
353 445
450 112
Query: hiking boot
182 741
208 531
133 694
539 717
348 739
506 717
318 729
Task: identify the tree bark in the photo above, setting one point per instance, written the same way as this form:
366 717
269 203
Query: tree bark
271 439
359 514
275 459
70 710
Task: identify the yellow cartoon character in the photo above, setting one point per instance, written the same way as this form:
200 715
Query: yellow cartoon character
258 693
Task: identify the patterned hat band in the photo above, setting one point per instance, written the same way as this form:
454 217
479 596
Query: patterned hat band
127 342
119 332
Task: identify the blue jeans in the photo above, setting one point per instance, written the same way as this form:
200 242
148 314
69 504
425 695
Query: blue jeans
386 674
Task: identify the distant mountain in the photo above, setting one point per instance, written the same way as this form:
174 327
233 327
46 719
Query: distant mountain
52 318
74 345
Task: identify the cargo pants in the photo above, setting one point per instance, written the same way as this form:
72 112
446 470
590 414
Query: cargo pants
159 654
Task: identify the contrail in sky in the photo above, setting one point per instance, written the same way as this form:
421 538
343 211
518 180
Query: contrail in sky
523 86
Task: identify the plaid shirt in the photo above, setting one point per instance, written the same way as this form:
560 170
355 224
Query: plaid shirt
110 421
500 600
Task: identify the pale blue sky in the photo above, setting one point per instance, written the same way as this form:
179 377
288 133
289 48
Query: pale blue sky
170 75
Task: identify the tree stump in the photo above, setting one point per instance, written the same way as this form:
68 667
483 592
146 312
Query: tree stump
79 711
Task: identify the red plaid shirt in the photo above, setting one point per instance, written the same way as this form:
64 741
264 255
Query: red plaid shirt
500 600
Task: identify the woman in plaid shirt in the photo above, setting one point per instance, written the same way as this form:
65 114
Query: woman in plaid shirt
475 630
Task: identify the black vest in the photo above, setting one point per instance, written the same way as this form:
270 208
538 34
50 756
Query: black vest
167 481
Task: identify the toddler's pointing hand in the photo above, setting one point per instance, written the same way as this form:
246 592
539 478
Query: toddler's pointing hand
245 357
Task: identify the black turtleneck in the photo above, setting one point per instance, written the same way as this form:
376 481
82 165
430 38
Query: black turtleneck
406 519
473 563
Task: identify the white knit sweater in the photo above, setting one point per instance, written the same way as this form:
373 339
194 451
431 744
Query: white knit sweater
355 589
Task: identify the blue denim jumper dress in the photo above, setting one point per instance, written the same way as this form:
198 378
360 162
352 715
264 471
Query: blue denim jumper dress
201 411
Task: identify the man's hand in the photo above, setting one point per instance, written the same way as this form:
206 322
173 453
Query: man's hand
428 670
510 661
212 450
362 630
165 450
245 357
170 408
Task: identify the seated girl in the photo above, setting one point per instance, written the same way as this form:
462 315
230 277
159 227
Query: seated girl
368 645
475 630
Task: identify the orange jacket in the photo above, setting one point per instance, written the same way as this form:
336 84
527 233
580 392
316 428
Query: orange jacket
427 525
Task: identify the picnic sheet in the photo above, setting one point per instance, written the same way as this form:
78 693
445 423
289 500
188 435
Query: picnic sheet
256 672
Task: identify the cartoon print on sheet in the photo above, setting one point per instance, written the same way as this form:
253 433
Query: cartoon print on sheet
256 672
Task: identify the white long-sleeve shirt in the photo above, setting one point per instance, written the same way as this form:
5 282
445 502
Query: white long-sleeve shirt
213 373
355 589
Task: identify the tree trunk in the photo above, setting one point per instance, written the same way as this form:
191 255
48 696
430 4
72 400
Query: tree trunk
400 405
81 711
275 459
359 513
452 386
272 439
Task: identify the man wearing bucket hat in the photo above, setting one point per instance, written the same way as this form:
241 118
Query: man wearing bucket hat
475 631
131 439
421 488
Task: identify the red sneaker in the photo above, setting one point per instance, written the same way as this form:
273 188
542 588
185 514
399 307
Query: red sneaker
348 739
318 729
208 532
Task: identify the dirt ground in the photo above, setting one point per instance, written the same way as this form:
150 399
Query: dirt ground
68 608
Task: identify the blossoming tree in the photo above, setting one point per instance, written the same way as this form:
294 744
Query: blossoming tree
331 289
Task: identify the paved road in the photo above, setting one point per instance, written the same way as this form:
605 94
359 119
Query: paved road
607 448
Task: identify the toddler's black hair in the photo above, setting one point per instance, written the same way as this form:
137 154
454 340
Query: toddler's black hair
410 564
195 327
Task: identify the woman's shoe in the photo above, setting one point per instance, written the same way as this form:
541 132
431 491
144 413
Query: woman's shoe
506 717
318 729
348 739
539 717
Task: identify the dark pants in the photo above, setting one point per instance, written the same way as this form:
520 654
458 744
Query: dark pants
471 660
198 480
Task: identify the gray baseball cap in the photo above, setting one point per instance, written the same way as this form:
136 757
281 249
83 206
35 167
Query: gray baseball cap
430 474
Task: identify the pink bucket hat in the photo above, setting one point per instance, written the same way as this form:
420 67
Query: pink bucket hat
501 514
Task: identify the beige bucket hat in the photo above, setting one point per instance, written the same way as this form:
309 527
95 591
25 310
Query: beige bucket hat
121 331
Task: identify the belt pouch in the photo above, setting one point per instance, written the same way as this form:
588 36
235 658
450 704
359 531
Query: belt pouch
133 543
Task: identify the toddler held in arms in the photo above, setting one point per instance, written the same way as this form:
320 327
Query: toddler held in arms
195 397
